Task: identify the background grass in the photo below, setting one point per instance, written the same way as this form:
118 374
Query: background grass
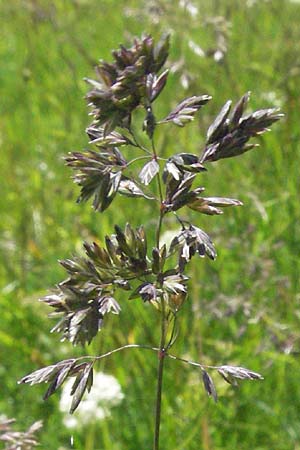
243 308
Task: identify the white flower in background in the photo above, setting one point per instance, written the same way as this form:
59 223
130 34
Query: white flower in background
190 7
184 80
251 3
218 55
196 49
105 393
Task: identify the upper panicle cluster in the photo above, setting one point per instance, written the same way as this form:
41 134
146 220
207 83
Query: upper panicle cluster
131 80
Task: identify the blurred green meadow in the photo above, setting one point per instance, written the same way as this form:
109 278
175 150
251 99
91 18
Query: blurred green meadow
243 308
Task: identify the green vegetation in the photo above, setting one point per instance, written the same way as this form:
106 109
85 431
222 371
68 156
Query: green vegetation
244 308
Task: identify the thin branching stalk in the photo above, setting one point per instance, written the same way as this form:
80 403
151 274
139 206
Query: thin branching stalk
161 353
160 371
139 158
137 144
116 350
158 231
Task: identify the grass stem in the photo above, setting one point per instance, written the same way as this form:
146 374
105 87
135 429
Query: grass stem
160 370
